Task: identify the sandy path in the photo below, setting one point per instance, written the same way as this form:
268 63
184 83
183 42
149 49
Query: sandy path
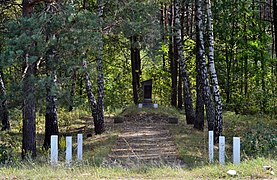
145 144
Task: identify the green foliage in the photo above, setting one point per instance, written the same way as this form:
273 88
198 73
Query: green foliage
66 119
62 144
260 140
245 65
8 154
70 32
5 154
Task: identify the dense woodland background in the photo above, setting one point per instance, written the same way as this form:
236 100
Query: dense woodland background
61 56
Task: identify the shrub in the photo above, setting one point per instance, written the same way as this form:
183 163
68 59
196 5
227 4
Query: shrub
6 153
260 140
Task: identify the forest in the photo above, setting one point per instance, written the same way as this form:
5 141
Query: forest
205 57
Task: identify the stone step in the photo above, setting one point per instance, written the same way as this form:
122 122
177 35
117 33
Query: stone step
139 149
144 144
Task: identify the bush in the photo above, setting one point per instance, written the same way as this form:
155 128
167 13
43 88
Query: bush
260 140
6 153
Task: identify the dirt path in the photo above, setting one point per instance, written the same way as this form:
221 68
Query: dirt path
145 141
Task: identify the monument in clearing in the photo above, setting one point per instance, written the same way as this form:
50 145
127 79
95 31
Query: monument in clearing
147 95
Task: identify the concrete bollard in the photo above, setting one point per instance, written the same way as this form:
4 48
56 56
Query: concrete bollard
211 146
222 150
236 150
68 152
54 150
80 147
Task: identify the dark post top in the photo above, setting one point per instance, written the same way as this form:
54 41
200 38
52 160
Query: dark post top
147 91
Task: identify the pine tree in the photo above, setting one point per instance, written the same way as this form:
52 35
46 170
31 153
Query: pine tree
51 114
29 97
99 126
136 67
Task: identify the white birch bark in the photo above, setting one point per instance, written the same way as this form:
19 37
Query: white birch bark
190 115
4 113
202 63
214 81
91 98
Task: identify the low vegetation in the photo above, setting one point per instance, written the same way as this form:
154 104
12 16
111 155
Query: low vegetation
258 137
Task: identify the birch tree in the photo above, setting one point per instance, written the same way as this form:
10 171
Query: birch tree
4 113
214 81
91 98
190 116
201 62
199 112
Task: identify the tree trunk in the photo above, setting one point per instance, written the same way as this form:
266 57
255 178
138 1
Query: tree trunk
263 73
275 23
29 99
228 76
187 19
162 21
51 115
4 113
172 56
29 111
174 60
192 21
199 112
99 129
180 89
72 90
190 116
91 98
136 71
216 94
174 73
202 63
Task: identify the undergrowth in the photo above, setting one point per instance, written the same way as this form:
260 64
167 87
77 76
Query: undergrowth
258 138
161 110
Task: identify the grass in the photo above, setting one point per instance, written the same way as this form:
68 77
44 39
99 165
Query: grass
252 169
162 110
191 144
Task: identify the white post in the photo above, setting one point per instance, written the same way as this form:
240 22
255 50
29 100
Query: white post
222 150
54 150
68 152
80 147
140 105
156 106
236 150
211 146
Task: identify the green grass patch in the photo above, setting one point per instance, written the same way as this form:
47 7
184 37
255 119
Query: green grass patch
162 110
251 169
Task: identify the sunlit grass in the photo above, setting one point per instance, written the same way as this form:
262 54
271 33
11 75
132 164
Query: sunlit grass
252 169
191 144
161 110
